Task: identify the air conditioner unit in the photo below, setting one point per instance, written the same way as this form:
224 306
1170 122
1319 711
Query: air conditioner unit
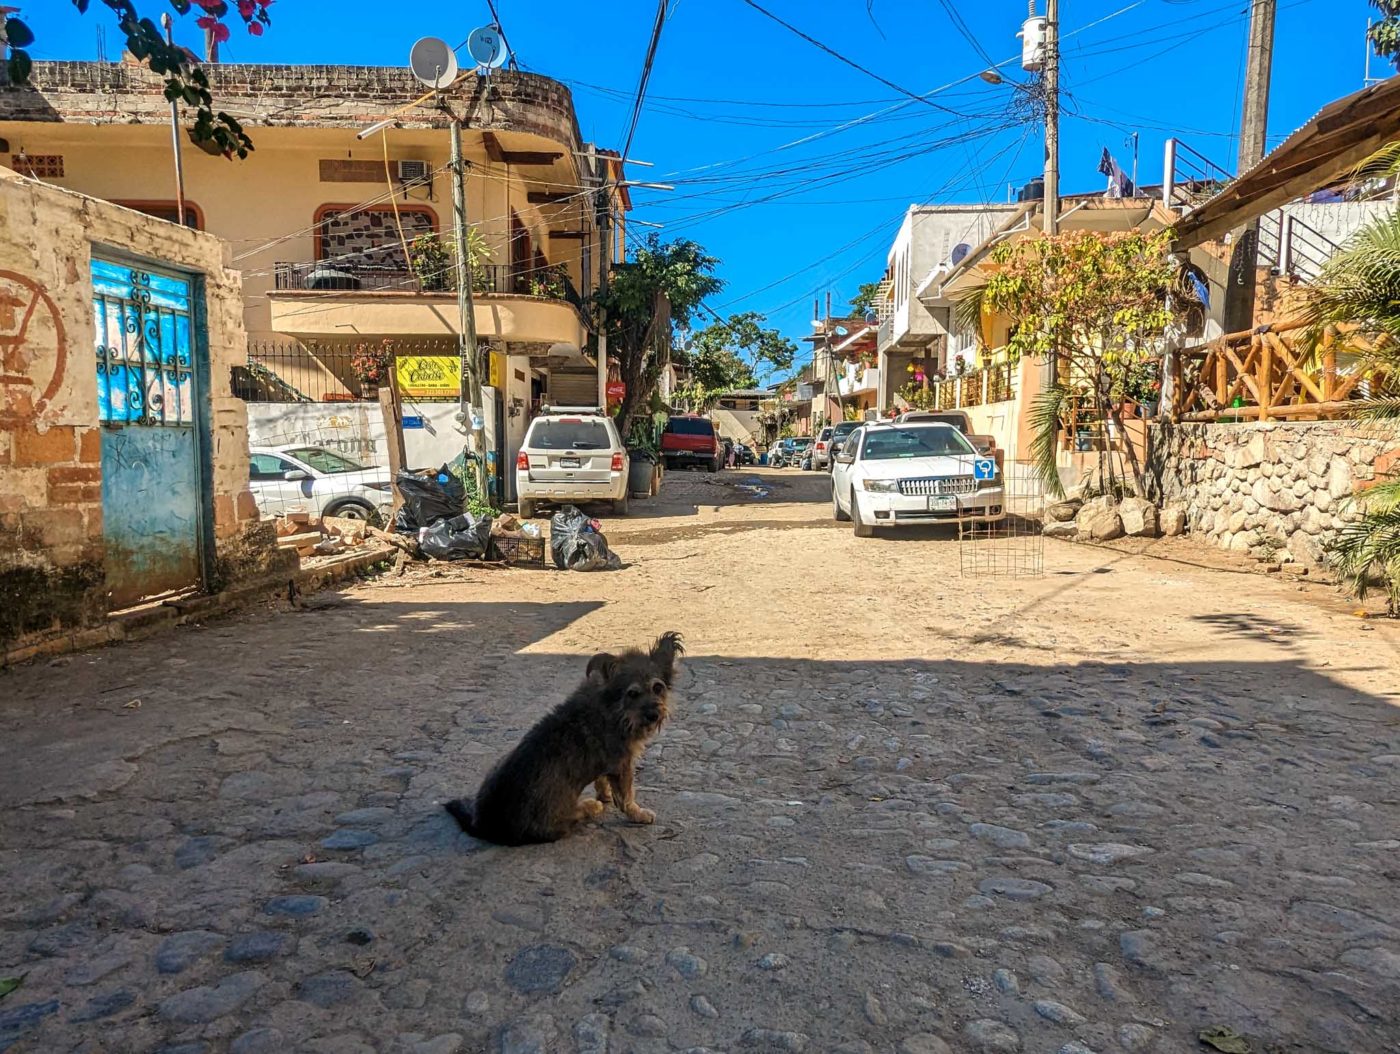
414 172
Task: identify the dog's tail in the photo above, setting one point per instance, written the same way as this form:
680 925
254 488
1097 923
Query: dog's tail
461 811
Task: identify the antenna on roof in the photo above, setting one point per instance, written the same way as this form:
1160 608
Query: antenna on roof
433 63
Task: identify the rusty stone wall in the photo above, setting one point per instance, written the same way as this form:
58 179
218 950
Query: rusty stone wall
51 541
289 96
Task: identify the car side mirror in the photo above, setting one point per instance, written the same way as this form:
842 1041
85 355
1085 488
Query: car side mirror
296 475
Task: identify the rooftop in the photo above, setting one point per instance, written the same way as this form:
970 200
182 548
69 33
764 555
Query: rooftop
126 92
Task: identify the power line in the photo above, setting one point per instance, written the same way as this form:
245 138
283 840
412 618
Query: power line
645 76
849 62
967 34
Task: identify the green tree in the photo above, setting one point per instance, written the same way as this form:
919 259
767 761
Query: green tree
647 298
1385 33
866 295
1096 302
185 81
729 353
1357 296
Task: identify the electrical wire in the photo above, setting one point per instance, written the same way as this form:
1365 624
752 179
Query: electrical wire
842 58
645 77
967 34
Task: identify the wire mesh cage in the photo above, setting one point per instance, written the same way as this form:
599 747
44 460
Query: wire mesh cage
1012 546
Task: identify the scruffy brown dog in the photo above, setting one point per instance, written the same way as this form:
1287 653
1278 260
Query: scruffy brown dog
594 736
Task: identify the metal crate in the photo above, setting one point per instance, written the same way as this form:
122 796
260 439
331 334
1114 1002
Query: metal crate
520 552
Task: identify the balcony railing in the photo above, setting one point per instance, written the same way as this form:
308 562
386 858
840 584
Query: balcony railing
992 384
551 282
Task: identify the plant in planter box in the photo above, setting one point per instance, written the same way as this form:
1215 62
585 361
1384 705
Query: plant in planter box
549 282
372 363
432 263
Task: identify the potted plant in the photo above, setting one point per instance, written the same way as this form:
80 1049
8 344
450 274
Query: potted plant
431 263
371 364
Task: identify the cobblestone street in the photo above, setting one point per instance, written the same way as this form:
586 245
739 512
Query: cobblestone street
898 810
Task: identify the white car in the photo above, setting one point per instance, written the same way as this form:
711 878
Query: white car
891 474
571 457
317 481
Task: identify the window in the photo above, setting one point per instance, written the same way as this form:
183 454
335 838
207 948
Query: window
268 466
926 441
568 434
324 461
38 166
690 426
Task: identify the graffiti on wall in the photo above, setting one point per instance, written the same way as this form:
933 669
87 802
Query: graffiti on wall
33 348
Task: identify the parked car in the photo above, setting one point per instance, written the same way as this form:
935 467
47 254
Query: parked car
986 445
838 438
689 439
314 480
789 451
821 449
746 456
919 472
571 457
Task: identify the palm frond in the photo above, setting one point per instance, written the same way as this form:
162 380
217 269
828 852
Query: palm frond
1383 164
1360 286
1368 547
1383 409
967 312
1046 411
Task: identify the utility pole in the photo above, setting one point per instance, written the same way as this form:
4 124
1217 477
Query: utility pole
1052 116
1254 130
603 211
168 24
466 313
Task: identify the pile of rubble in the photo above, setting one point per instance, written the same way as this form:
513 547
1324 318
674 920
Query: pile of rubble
310 536
1102 519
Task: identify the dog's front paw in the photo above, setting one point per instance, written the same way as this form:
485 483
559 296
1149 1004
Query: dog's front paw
637 814
592 808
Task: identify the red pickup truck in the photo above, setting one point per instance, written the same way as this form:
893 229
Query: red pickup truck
689 439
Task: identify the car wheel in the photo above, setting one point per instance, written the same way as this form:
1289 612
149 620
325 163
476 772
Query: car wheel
858 526
351 510
620 506
841 517
713 466
527 509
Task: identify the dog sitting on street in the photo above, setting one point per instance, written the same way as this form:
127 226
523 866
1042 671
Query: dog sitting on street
595 736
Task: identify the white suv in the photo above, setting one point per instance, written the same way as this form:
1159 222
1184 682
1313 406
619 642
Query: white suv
571 457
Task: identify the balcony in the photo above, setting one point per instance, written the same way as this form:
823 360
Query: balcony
532 311
858 380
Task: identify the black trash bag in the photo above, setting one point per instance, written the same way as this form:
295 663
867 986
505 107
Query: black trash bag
577 544
462 537
428 497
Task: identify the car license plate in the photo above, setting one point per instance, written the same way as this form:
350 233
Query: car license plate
569 462
943 503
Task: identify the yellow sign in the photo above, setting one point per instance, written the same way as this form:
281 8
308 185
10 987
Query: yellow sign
430 376
498 371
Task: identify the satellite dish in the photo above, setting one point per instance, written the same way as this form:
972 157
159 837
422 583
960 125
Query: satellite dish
433 62
487 47
959 251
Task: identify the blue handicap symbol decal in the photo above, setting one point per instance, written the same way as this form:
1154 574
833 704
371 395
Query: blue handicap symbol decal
984 468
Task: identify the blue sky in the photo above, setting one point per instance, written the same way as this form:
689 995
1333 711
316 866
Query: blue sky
731 89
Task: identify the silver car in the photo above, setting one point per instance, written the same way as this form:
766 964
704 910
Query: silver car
317 481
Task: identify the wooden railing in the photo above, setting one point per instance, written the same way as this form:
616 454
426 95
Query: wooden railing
992 384
1259 376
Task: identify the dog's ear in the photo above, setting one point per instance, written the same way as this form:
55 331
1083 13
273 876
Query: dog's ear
667 652
601 667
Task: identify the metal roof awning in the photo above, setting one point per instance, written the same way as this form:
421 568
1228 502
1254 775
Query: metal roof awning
1342 135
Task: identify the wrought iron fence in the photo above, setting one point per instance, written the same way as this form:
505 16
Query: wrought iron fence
346 274
340 373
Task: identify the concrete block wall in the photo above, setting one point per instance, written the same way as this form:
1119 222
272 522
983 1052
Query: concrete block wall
1270 489
51 538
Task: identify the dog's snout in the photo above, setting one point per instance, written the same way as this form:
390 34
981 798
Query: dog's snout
658 687
652 714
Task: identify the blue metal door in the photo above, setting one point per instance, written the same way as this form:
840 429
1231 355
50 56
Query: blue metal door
152 500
